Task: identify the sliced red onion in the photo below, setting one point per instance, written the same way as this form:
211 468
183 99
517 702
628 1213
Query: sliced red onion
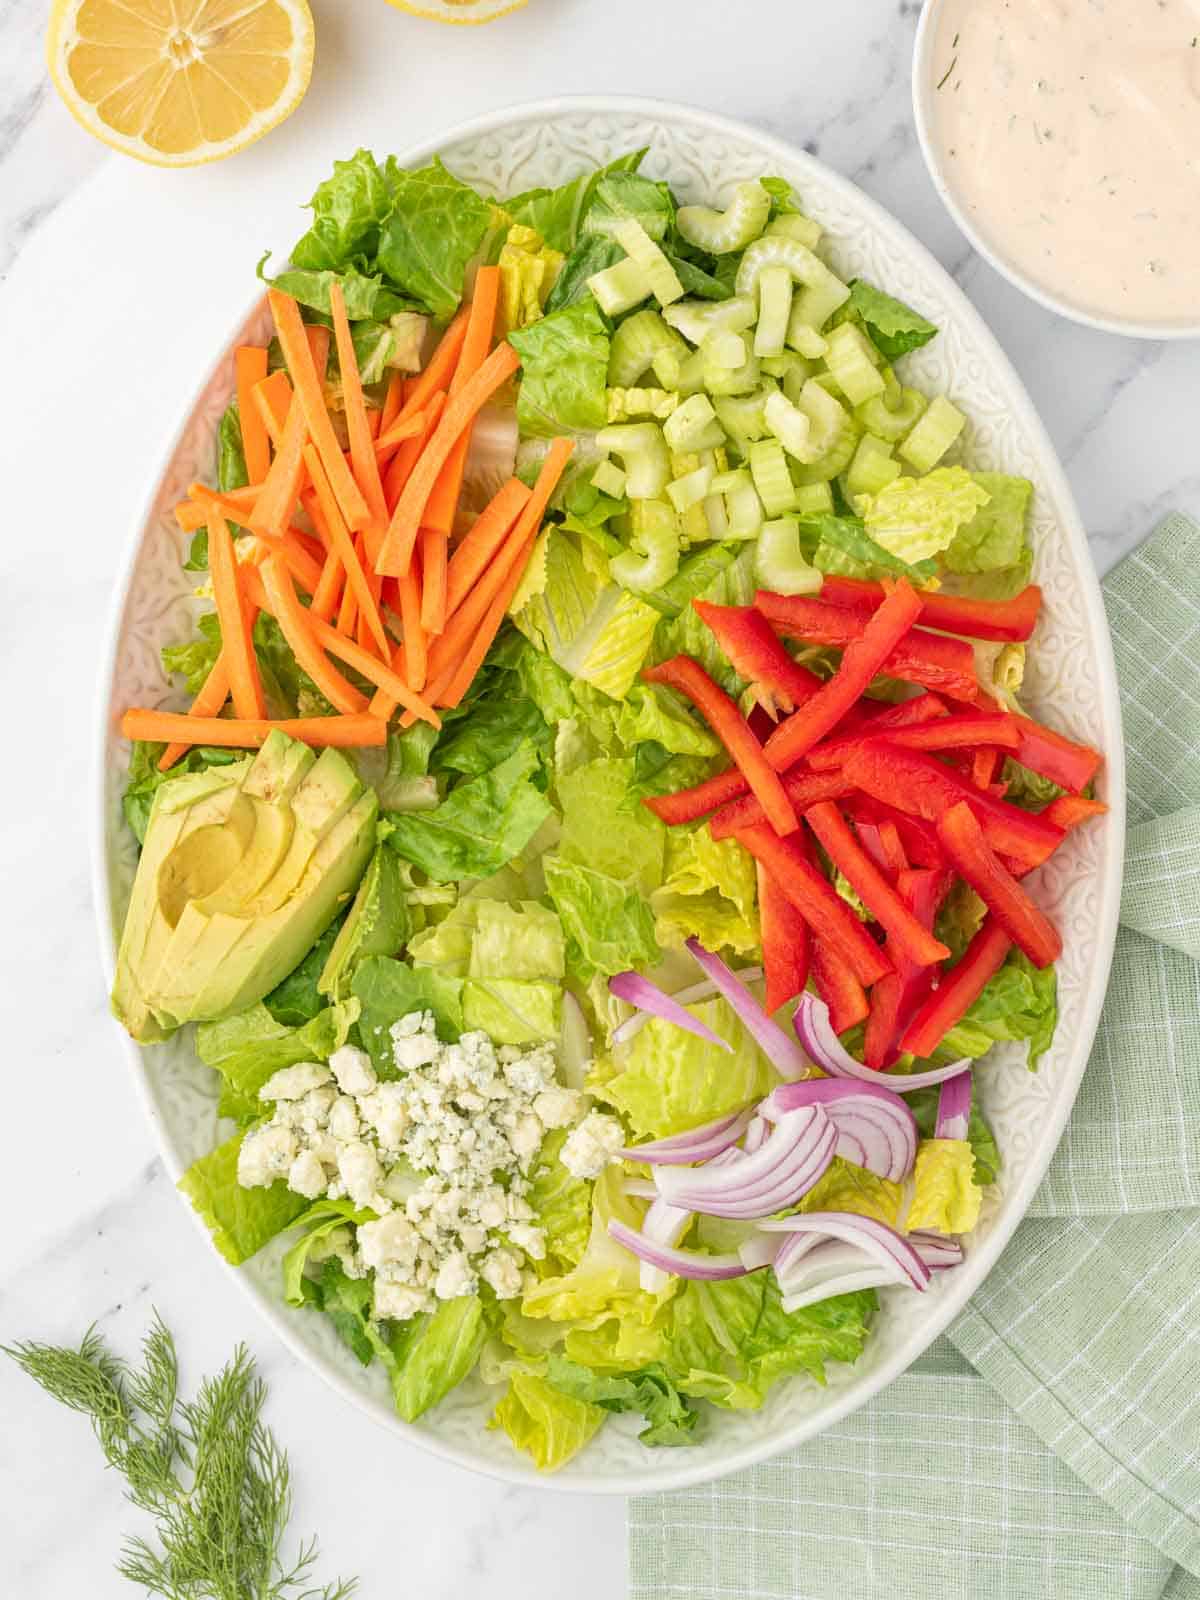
624 1031
576 1042
954 1108
759 1250
697 1144
646 996
640 1188
827 1272
681 1263
756 1133
883 1244
785 1167
816 1034
876 1130
663 1224
936 1250
783 1054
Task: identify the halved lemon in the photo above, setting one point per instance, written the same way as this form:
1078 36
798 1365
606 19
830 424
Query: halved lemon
178 82
463 12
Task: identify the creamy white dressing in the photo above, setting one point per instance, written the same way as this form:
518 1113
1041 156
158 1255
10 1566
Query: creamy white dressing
1069 132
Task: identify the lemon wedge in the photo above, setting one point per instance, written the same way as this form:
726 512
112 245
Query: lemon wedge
465 13
178 82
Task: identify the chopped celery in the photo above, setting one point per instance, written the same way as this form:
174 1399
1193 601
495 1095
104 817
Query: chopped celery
778 562
652 517
743 417
813 499
686 376
636 343
609 479
779 366
804 338
872 468
933 435
891 386
851 359
693 425
827 381
722 378
774 251
794 225
688 491
720 232
695 318
643 452
774 308
792 427
816 302
889 419
657 565
744 508
640 247
715 515
724 349
627 403
836 458
620 287
769 469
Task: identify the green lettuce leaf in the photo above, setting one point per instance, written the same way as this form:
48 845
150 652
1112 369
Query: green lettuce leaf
346 1301
1019 1002
685 634
618 196
842 545
435 225
433 1352
946 1197
605 1281
247 1048
240 1220
593 253
523 940
669 1418
783 196
388 990
145 780
547 1424
321 1220
609 927
993 548
562 1206
492 731
708 893
297 999
697 572
916 518
923 1105
599 833
367 297
558 213
697 281
513 1011
895 328
348 209
482 824
564 371
845 1187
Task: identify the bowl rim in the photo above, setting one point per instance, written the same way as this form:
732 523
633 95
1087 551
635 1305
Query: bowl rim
677 1475
922 103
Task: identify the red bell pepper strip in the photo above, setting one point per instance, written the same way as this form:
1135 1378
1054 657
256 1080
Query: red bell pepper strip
817 902
924 787
958 990
803 789
985 764
1026 924
933 659
689 805
784 943
861 661
727 722
1069 810
965 731
919 839
1013 619
905 933
881 841
838 987
895 998
1072 766
755 652
880 716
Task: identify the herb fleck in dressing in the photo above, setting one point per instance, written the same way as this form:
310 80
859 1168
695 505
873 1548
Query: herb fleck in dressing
1071 137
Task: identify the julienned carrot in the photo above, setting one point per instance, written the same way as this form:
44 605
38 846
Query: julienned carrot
318 342
294 624
374 418
416 656
362 447
189 514
299 560
439 369
271 399
387 440
213 693
490 627
231 509
347 617
375 584
434 559
282 484
250 366
476 549
343 545
481 324
248 733
392 401
401 467
236 620
460 409
299 357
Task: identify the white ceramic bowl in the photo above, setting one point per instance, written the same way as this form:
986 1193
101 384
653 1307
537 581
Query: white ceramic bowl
926 73
1071 680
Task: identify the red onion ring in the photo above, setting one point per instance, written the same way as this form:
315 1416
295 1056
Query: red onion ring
816 1034
883 1244
787 1059
697 1144
646 996
624 1031
876 1130
682 1263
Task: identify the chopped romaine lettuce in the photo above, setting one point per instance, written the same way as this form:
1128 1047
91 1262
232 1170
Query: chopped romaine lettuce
895 328
915 518
924 1104
241 1220
562 1207
348 209
605 1282
708 893
845 1187
946 1197
248 1047
842 545
669 1418
557 214
600 834
548 1425
528 268
388 990
609 926
321 1220
433 1352
993 548
1019 1002
564 371
434 226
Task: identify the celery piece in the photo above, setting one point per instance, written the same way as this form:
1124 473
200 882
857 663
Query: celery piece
743 417
722 376
816 302
625 404
693 425
813 500
724 349
620 287
891 421
872 468
803 338
715 515
690 490
778 562
774 308
769 469
652 516
720 232
773 251
792 427
640 247
695 318
933 434
851 359
779 366
744 508
649 570
892 390
643 453
836 458
609 478
794 225
636 343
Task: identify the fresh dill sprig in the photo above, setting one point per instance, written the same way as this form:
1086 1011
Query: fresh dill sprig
208 1470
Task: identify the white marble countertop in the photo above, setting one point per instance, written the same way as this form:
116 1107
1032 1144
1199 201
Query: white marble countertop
118 283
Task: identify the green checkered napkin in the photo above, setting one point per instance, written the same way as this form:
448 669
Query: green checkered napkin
1049 1447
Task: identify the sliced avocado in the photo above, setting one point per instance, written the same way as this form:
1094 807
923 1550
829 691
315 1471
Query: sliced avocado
378 924
322 800
278 770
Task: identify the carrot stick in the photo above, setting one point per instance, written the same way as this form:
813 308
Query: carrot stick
409 453
461 408
454 641
347 617
318 342
235 619
250 366
375 584
439 369
189 514
481 323
248 733
434 552
304 568
299 357
214 692
343 545
362 449
403 428
229 508
415 657
374 421
392 401
490 627
272 397
293 622
282 483
477 548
